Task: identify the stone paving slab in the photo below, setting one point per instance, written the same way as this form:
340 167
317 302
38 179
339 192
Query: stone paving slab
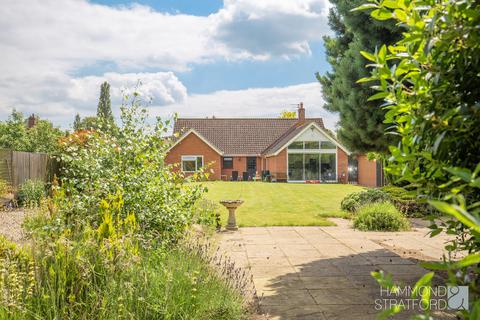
324 272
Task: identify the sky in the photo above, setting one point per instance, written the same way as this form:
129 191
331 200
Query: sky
231 58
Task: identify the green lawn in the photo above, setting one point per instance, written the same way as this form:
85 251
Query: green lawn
281 204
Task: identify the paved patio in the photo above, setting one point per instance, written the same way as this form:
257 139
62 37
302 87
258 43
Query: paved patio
324 272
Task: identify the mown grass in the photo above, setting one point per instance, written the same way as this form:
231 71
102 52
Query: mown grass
281 204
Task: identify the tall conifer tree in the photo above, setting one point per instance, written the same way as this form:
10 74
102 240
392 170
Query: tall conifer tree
361 121
104 109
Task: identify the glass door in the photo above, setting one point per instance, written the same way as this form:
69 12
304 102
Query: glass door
312 166
295 166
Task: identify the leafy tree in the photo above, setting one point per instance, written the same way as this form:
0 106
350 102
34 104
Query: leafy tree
361 121
89 123
104 109
14 134
288 114
43 137
77 122
430 82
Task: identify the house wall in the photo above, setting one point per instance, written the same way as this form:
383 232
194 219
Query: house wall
342 166
277 165
367 171
192 145
239 164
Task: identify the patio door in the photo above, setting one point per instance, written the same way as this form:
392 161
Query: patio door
251 166
312 166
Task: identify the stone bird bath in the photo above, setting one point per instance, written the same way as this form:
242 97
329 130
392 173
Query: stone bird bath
231 205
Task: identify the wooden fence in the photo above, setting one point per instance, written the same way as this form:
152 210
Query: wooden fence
16 167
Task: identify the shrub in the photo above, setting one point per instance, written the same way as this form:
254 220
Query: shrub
4 187
111 272
31 193
129 160
207 213
353 201
380 216
407 202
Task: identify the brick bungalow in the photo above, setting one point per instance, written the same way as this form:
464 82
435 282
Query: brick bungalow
294 150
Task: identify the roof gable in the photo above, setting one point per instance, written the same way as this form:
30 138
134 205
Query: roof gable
239 136
294 134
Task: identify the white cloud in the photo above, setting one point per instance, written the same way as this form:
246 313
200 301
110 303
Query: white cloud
270 27
257 102
47 46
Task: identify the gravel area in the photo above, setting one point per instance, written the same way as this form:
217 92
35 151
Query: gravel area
11 225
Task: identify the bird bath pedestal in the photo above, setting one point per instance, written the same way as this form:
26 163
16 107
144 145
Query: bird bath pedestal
231 205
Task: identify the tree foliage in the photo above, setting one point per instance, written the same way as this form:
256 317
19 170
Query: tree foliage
15 135
104 109
430 82
361 121
288 114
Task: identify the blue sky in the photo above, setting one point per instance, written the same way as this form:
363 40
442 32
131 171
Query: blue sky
196 58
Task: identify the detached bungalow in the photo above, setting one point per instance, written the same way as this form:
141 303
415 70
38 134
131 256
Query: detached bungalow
293 150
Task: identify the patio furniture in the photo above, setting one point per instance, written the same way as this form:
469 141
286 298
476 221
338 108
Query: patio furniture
231 205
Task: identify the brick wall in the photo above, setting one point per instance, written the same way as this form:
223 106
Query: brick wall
342 166
277 165
239 164
192 145
367 171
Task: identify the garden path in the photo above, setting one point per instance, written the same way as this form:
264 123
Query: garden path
324 272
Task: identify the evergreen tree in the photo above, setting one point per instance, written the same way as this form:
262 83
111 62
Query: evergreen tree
104 109
361 121
77 122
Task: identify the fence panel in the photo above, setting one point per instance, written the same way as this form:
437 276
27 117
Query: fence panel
16 167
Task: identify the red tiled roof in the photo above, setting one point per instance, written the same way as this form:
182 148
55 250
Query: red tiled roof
239 136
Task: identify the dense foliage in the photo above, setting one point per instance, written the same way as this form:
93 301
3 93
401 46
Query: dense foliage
353 201
109 272
407 202
380 216
112 241
97 163
15 135
361 121
430 81
31 193
104 109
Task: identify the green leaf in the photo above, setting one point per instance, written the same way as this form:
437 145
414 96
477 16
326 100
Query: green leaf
434 266
424 281
457 212
381 14
400 15
368 56
377 96
468 261
363 80
392 4
365 6
463 173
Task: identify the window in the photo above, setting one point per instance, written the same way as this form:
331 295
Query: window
227 163
327 167
312 145
191 163
296 145
327 145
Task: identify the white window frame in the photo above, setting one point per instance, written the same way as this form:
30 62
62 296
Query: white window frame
189 158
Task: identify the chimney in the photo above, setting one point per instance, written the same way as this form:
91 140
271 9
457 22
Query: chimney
301 113
31 121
